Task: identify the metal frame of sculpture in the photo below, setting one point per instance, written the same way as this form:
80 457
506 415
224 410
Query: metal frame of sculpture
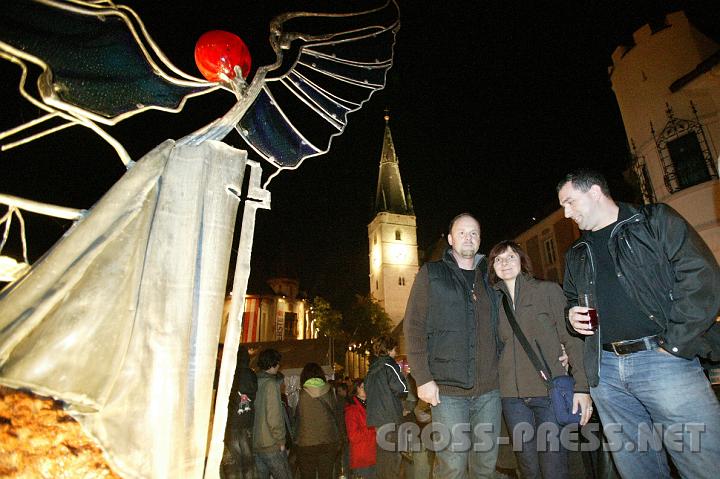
340 60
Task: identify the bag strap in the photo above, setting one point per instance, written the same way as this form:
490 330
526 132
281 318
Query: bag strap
333 415
524 342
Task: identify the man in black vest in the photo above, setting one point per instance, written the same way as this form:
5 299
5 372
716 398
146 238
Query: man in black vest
450 330
656 286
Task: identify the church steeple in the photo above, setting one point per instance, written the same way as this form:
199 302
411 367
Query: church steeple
390 196
392 237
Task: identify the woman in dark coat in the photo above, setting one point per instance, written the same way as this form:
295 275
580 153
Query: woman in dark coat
539 309
238 461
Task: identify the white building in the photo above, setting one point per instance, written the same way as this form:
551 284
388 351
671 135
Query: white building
667 84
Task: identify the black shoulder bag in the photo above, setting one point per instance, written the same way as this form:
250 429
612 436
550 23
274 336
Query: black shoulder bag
560 388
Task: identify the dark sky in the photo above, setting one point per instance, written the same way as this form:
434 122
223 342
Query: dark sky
491 103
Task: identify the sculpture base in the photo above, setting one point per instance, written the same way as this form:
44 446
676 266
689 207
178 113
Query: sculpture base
38 439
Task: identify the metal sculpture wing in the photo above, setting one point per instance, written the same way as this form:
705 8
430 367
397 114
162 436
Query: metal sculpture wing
296 114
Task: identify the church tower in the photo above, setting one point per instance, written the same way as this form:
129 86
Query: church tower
392 236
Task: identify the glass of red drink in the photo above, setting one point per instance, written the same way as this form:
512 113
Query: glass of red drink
587 300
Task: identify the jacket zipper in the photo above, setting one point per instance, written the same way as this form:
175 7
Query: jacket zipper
622 223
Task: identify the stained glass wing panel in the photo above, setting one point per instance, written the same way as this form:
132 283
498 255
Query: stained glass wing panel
269 132
327 81
94 61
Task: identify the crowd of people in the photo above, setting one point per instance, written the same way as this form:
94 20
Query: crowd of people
487 341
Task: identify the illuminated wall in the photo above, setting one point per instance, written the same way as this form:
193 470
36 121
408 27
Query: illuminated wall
273 317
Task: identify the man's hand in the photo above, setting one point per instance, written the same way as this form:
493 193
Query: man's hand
282 447
579 320
429 393
583 402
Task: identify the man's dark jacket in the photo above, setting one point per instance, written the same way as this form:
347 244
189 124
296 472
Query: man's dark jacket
666 268
384 386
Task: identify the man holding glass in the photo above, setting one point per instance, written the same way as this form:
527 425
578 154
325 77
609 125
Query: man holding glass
655 288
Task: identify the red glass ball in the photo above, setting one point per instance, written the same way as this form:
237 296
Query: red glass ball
219 52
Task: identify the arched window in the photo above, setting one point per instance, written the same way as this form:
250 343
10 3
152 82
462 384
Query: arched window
398 235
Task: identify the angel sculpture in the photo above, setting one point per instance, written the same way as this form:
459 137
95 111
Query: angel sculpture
119 320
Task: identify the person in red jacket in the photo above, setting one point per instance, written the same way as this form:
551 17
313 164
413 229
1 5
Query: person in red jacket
360 436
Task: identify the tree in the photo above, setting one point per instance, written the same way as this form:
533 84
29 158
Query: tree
365 320
328 321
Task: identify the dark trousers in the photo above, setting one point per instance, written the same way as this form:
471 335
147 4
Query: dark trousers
535 460
238 461
319 459
387 459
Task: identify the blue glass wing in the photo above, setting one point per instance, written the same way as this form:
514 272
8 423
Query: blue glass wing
93 60
299 112
273 137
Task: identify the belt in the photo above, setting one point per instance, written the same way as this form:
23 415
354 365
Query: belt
630 346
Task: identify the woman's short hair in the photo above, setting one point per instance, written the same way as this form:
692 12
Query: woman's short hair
268 358
500 248
382 345
311 370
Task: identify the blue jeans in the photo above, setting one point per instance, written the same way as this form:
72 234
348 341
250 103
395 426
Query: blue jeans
273 463
552 460
653 388
471 451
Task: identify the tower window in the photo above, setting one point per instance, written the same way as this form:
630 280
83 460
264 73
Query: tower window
684 153
398 235
688 159
401 281
376 285
375 240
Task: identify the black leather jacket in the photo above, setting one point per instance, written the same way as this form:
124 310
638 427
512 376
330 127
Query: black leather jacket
666 268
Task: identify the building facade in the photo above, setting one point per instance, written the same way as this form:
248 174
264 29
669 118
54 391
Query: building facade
546 243
667 84
276 315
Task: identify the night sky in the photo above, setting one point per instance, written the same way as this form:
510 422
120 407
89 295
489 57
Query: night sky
491 103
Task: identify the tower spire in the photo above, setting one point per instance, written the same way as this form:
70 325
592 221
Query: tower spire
390 194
